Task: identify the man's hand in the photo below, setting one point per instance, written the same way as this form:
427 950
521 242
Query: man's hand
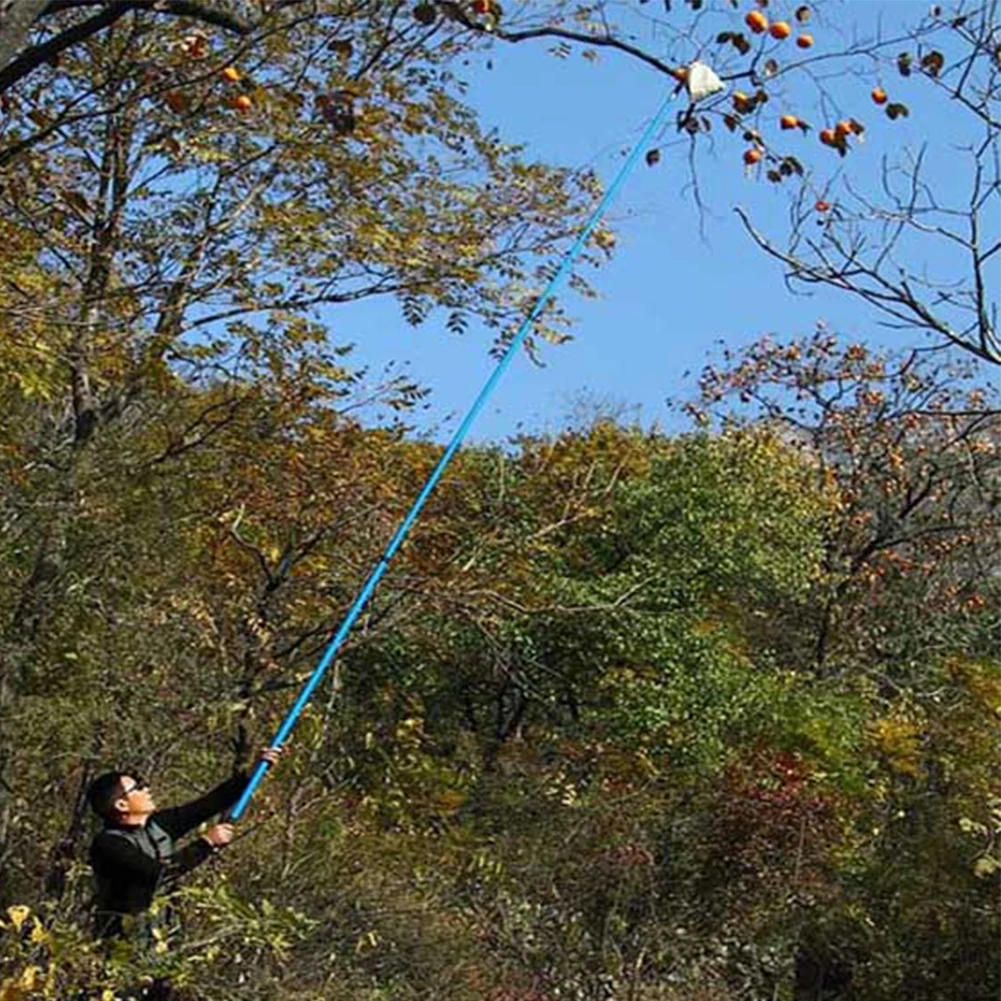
219 835
271 755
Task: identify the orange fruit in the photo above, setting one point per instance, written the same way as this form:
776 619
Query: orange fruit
788 121
843 128
752 156
756 21
741 102
823 206
481 6
241 103
231 74
780 30
828 137
879 95
805 41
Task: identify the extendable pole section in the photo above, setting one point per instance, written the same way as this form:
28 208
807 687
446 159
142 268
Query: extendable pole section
401 533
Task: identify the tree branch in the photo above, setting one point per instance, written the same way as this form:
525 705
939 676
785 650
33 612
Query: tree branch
898 300
15 68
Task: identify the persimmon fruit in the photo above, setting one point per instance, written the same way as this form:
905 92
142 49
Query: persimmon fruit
742 103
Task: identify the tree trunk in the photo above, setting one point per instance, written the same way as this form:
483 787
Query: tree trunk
16 20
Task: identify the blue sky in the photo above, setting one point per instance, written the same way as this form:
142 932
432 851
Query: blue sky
669 293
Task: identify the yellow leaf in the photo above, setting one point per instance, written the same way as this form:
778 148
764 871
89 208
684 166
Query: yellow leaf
985 866
18 914
10 990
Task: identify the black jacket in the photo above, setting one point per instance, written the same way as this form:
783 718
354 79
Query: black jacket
131 862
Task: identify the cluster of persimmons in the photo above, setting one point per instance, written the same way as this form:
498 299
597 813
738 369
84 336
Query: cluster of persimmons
835 136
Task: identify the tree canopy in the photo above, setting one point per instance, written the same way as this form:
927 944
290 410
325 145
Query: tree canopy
706 716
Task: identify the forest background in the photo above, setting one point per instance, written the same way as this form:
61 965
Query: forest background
686 712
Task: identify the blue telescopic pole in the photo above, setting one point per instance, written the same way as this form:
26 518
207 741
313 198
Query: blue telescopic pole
453 446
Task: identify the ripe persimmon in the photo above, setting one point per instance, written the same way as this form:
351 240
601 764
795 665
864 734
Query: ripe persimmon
780 30
756 21
742 103
879 95
231 74
752 156
788 122
805 41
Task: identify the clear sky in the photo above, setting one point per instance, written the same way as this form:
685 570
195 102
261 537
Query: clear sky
669 293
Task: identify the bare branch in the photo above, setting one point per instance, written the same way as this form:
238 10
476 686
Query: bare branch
897 299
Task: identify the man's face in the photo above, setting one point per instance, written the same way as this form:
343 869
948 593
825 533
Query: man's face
135 797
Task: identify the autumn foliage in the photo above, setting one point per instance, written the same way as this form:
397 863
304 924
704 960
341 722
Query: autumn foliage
707 715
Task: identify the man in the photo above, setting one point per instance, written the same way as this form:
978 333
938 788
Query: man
136 853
